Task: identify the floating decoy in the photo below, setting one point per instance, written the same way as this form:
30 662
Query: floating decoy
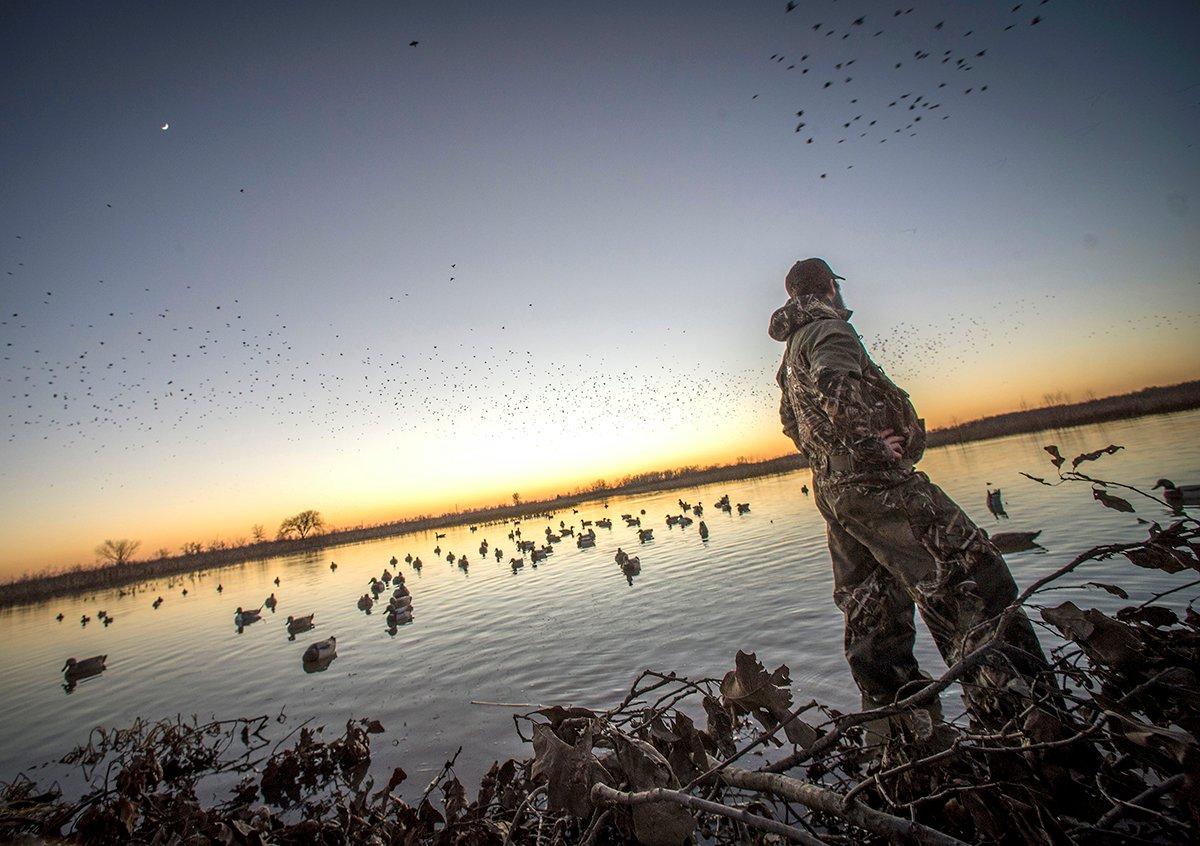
276 581
743 507
394 562
516 563
1177 495
365 602
295 625
416 564
271 602
220 589
59 617
332 566
804 489
243 617
1016 541
645 535
995 502
74 670
322 650
703 531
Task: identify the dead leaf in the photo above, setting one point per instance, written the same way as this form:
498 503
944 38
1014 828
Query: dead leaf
570 771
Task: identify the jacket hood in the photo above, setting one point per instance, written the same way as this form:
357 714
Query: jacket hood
799 311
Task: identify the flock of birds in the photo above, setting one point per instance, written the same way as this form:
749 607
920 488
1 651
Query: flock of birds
952 48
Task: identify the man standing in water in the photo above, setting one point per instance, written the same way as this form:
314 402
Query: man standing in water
896 540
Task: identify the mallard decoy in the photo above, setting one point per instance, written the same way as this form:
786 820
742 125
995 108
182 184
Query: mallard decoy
703 531
995 502
276 581
394 561
365 602
1016 541
1177 495
74 670
295 625
399 617
60 617
437 550
220 589
743 508
243 617
804 489
516 563
416 563
322 650
645 535
632 565
271 602
332 566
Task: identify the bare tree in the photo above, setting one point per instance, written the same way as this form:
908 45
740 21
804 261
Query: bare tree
117 551
302 525
192 548
258 533
163 552
516 499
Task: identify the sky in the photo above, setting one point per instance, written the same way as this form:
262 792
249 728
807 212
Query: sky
542 245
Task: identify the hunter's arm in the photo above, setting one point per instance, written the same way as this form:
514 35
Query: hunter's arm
834 357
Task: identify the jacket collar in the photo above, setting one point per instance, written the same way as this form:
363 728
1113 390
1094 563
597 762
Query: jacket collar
799 311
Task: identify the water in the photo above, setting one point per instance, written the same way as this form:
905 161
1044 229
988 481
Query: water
571 631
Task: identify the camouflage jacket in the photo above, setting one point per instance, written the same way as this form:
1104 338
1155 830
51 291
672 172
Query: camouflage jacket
836 400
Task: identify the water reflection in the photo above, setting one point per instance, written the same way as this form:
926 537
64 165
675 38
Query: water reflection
571 624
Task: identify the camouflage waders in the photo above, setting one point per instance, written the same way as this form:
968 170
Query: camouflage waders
910 546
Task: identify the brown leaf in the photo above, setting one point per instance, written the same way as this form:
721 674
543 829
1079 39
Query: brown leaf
570 771
374 727
749 689
1056 457
1103 639
660 824
1151 615
1113 589
1108 500
1092 456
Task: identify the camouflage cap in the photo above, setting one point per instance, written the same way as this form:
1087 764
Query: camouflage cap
809 276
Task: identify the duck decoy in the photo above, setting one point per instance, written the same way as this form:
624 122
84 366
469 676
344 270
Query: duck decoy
743 508
220 589
703 531
1177 495
394 562
1016 541
321 652
276 581
416 563
271 602
60 617
995 502
295 625
243 617
332 566
645 535
74 670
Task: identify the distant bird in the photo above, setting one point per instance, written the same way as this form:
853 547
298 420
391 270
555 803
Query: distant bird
59 617
1177 495
165 127
1016 541
295 625
74 670
413 43
791 6
804 489
321 651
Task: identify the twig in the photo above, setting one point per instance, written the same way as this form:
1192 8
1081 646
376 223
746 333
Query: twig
603 793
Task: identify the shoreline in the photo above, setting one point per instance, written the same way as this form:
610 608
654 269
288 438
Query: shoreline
42 588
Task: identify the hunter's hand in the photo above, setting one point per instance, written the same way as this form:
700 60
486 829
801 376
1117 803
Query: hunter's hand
894 443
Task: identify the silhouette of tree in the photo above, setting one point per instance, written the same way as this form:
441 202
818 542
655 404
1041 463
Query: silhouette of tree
117 551
258 533
192 548
302 525
516 499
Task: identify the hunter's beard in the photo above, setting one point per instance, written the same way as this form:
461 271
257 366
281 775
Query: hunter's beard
836 299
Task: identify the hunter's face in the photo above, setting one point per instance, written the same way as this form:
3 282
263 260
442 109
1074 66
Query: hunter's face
835 294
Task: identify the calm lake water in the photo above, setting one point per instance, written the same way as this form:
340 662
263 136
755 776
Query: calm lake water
571 631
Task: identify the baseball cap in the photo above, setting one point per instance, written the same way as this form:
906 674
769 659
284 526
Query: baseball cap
809 274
